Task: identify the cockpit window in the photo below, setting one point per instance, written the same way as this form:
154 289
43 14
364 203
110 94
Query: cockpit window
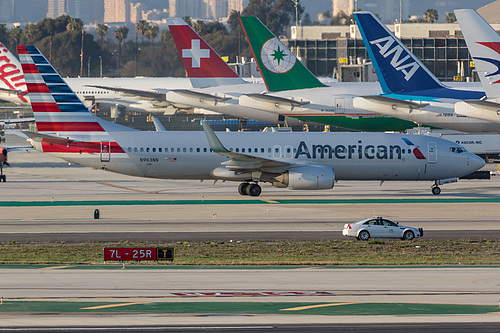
457 150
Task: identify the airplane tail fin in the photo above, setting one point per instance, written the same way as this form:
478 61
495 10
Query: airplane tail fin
56 108
398 70
484 46
11 77
204 66
279 67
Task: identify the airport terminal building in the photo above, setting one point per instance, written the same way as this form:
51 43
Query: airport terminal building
325 50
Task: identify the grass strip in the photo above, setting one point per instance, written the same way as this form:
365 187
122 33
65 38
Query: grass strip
345 252
248 308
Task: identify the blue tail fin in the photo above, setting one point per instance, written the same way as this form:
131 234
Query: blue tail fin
398 70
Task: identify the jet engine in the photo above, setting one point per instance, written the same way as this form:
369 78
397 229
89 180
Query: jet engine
312 177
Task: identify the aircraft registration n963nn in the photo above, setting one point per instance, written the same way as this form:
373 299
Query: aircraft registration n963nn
299 161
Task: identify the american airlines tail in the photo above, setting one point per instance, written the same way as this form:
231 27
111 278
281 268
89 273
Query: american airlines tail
12 85
64 124
205 68
279 67
398 70
484 46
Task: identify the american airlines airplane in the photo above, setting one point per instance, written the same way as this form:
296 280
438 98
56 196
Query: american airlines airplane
409 90
298 161
484 46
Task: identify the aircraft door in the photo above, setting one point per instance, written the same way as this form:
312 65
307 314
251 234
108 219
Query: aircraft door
339 105
105 151
432 148
276 151
288 152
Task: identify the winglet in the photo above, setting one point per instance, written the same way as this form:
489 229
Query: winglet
213 140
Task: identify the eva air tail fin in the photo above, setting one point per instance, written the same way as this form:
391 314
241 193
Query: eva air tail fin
398 70
484 46
279 67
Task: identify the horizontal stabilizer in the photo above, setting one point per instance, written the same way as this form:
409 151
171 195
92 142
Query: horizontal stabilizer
39 137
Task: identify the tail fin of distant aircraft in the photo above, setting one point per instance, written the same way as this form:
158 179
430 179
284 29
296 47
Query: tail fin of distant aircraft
11 78
398 70
204 66
279 67
484 46
57 109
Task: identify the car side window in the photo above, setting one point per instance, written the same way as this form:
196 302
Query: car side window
389 223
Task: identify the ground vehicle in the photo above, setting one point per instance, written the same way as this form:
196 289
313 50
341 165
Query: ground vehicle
380 227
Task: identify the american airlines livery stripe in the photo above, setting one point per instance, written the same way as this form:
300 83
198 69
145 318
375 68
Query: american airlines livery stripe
80 147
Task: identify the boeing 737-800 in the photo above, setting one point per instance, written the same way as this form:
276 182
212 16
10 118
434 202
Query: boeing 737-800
299 161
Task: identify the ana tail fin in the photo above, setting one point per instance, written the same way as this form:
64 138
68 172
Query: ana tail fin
398 70
204 66
484 46
279 67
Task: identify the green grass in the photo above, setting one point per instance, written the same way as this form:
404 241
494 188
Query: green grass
346 252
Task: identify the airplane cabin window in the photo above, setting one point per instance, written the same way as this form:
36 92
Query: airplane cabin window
142 149
184 149
166 150
269 150
159 150
197 150
242 150
148 150
190 150
154 150
204 150
135 149
178 150
129 149
237 150
262 150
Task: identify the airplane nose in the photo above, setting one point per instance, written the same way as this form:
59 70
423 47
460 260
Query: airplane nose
476 162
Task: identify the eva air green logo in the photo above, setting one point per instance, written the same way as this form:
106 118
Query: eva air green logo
276 57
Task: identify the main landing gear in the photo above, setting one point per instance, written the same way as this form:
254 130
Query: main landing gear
253 190
435 189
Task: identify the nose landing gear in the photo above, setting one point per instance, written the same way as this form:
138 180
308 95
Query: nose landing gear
253 190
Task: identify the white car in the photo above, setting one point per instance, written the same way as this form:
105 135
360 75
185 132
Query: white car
380 227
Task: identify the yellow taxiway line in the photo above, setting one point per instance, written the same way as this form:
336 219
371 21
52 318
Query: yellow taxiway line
307 307
112 305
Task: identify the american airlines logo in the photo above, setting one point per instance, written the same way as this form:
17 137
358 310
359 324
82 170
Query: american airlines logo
386 48
359 151
10 74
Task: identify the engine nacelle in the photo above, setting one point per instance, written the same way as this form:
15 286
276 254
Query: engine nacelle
309 178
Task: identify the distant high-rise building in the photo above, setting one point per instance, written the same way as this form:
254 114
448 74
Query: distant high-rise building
216 9
57 8
237 5
116 11
346 6
137 12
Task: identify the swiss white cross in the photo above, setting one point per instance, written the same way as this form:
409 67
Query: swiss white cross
195 53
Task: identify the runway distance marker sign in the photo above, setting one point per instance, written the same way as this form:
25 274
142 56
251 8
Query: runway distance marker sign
137 253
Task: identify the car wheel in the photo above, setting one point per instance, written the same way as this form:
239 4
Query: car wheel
364 235
408 235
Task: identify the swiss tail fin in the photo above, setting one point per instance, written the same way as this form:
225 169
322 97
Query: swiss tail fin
205 68
398 70
11 77
56 107
484 46
279 67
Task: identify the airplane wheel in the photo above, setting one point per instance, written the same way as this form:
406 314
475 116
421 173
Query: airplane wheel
3 178
436 190
254 190
242 188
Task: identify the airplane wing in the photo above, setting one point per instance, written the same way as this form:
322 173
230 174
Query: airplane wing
148 94
242 162
16 120
393 102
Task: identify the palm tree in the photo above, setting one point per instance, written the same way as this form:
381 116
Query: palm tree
75 24
430 15
15 36
152 34
450 18
30 34
120 35
142 27
102 30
